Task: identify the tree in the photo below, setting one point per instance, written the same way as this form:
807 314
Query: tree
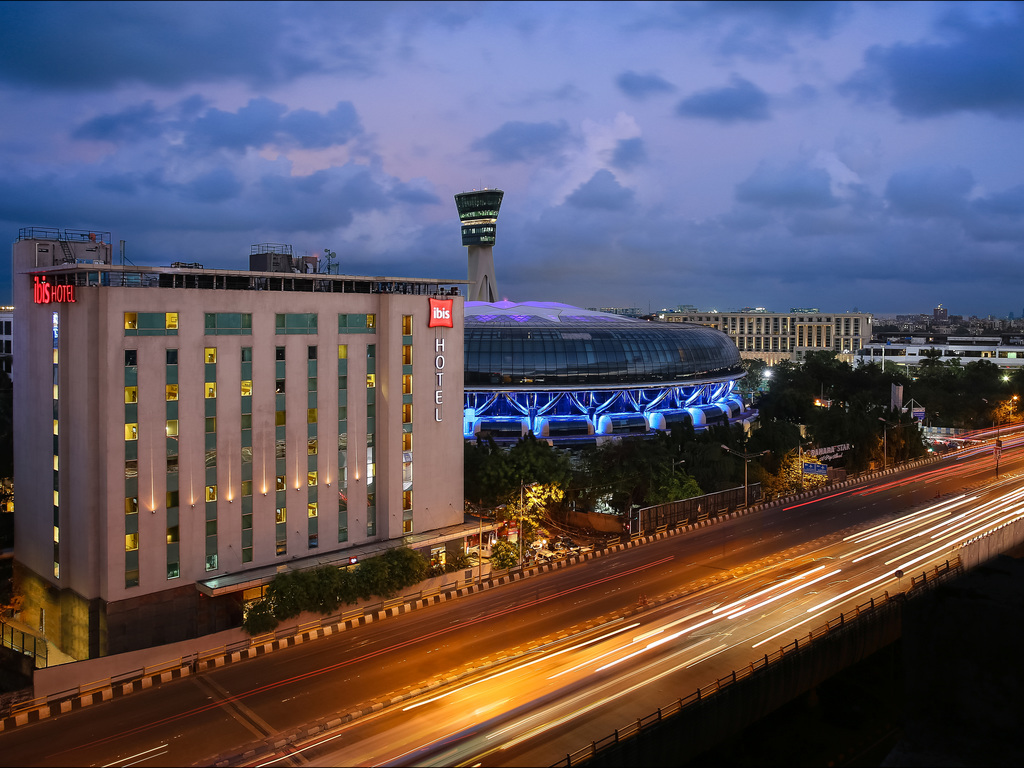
260 618
504 555
529 504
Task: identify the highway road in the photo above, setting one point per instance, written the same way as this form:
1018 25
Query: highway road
726 594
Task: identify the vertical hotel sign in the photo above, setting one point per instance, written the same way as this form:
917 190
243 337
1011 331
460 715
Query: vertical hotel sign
440 317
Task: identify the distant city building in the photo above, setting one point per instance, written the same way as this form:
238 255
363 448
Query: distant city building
773 336
6 339
206 429
624 311
940 315
1005 351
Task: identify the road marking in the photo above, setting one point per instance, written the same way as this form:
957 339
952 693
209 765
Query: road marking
132 757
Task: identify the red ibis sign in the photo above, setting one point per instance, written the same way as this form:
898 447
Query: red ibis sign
440 313
46 293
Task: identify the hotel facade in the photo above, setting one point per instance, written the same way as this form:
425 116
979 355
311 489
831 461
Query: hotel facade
182 434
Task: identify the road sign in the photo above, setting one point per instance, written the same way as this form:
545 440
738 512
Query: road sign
815 469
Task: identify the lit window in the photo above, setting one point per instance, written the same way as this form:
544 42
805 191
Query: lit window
211 423
55 427
131 542
311 509
171 321
280 483
311 447
407 413
131 394
371 321
407 384
210 354
55 467
211 493
342 352
56 569
407 441
171 391
406 325
279 418
247 487
311 478
55 357
407 354
131 505
247 388
281 515
55 392
131 431
172 427
311 415
56 533
131 321
371 380
211 390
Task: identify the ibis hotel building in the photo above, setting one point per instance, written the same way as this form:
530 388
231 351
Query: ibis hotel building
184 433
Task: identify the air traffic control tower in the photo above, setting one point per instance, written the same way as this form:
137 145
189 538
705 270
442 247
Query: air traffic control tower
478 213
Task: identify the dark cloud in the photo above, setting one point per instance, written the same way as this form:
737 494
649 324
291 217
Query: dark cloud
629 154
978 69
100 45
214 186
259 123
517 142
755 30
601 192
741 101
130 124
640 87
930 192
795 186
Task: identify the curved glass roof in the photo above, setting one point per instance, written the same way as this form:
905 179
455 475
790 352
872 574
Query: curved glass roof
549 344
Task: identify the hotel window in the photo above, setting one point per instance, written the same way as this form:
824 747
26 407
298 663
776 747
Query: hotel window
131 394
211 424
311 509
311 446
407 325
280 483
371 380
211 390
371 321
171 391
311 478
172 428
131 321
210 354
407 354
131 505
406 413
246 388
171 321
407 384
131 542
280 419
131 431
211 493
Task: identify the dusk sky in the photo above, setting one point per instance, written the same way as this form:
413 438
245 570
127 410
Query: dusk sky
724 154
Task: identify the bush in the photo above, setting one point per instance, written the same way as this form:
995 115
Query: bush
323 590
260 619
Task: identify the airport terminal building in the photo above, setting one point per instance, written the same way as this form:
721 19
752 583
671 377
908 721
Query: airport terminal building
183 433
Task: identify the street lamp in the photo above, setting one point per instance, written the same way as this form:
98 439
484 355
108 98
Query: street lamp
746 460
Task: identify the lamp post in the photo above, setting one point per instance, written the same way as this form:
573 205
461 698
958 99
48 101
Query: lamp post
746 461
885 442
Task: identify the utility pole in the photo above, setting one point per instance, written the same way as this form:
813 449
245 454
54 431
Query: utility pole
746 462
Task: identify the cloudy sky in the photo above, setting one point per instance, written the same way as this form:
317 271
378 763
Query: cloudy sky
724 154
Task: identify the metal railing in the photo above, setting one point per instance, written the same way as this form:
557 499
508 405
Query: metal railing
23 642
